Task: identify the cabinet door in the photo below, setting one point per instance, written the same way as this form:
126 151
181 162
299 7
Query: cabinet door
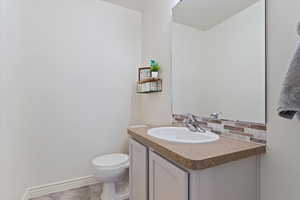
138 171
166 181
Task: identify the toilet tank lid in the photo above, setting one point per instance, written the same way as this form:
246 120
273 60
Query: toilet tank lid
111 160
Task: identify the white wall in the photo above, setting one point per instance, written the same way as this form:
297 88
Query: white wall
15 166
193 75
157 17
226 68
280 169
239 58
69 88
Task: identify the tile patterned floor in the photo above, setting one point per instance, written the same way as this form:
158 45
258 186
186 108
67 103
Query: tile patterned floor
92 192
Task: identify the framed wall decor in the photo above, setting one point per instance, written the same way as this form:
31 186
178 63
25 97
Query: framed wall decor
144 73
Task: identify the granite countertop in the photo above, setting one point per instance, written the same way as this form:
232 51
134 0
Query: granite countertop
198 156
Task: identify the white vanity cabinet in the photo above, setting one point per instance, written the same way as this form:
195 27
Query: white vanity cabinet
138 171
166 181
153 177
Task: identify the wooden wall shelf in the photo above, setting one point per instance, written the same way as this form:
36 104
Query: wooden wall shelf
149 80
149 85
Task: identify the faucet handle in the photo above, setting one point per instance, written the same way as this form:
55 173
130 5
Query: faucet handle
190 118
198 118
215 115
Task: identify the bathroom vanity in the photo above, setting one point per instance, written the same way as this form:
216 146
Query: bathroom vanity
226 169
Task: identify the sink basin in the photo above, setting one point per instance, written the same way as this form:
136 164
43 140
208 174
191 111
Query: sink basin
182 135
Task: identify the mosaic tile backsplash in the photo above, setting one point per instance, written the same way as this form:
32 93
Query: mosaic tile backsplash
248 131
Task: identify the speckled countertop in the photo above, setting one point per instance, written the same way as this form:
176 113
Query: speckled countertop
199 156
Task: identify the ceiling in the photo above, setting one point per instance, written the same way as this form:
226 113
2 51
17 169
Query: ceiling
205 14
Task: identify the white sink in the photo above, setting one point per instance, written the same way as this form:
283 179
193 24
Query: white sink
182 135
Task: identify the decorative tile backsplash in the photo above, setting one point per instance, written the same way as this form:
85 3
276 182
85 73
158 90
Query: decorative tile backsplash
247 131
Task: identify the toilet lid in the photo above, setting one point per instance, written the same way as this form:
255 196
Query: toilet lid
111 160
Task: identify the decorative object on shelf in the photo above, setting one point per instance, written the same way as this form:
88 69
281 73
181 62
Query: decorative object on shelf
144 73
149 85
154 68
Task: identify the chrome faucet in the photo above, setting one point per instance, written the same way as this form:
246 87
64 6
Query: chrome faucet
192 122
215 116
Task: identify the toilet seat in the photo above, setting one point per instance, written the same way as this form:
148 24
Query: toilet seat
111 161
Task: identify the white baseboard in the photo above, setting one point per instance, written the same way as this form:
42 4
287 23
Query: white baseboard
61 186
43 190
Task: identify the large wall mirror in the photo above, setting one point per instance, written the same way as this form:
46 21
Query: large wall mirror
218 58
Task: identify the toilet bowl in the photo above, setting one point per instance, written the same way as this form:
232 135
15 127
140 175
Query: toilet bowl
110 169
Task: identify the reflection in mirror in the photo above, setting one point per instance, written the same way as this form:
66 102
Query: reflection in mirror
218 58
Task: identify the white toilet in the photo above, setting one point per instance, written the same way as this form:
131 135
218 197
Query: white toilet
109 169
